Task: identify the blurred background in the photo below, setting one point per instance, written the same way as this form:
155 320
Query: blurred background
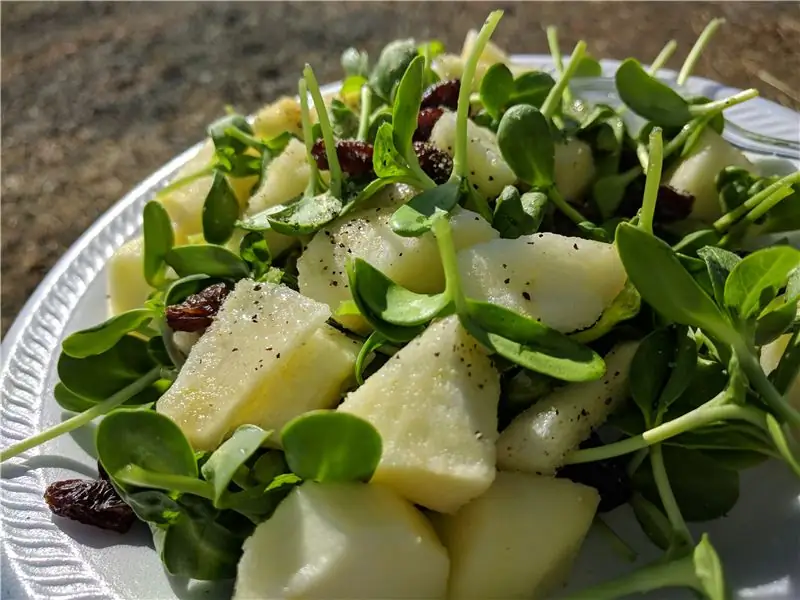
95 96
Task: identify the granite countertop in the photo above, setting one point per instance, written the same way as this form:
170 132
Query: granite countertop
95 96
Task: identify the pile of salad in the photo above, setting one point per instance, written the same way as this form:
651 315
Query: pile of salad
414 338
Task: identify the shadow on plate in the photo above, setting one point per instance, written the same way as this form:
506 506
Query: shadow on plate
46 461
93 537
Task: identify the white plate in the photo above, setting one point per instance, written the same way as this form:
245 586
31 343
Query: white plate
46 557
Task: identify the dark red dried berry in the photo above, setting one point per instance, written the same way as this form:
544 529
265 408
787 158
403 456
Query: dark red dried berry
355 157
426 119
198 310
89 501
436 164
672 205
443 93
102 472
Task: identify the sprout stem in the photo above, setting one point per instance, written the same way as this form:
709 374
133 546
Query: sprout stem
697 50
553 100
327 132
652 181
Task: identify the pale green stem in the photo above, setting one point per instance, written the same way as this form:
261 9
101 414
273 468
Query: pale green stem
305 120
671 508
136 476
327 132
366 108
209 170
697 110
558 61
768 204
666 53
759 381
83 418
697 50
728 219
556 198
711 412
652 181
447 250
553 100
460 167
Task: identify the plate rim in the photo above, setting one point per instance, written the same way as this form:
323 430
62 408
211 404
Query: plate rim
30 347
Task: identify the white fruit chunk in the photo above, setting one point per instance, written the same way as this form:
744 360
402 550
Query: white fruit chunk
411 262
563 281
280 116
487 168
286 179
435 405
348 541
127 288
697 173
315 376
574 168
239 362
538 440
184 204
518 539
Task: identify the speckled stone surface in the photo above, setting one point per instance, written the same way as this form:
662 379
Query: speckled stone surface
97 95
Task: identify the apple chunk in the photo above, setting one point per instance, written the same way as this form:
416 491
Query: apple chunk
518 540
343 540
435 405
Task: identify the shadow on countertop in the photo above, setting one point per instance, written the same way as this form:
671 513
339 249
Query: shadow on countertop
95 96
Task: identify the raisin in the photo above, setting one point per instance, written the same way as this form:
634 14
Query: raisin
672 205
354 157
443 93
436 164
198 310
609 477
426 119
90 501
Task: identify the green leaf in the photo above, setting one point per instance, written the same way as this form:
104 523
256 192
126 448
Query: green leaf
588 67
392 302
683 366
355 63
526 144
665 284
497 86
307 215
703 489
776 319
530 344
405 111
649 98
531 88
787 370
516 215
98 376
392 64
144 439
220 468
653 522
719 263
374 341
220 211
102 337
386 159
343 120
756 280
650 370
352 85
416 216
254 250
331 446
214 261
184 287
157 351
781 444
609 191
158 240
69 400
625 305
708 569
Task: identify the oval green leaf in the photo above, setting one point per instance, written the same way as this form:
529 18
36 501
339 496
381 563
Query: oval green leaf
102 337
307 215
220 211
158 240
497 86
526 144
207 259
220 468
416 216
649 98
756 280
331 446
405 110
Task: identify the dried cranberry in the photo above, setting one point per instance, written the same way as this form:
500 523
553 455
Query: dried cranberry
355 157
609 477
426 119
443 93
92 502
672 205
198 310
436 164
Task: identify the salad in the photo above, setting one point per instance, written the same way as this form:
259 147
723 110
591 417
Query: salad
413 338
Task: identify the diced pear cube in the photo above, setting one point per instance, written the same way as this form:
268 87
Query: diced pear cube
538 439
412 262
279 116
127 287
519 539
435 405
696 174
564 282
286 178
574 168
239 362
349 541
